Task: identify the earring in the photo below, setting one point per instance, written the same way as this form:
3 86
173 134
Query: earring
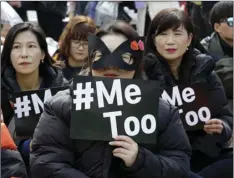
187 49
42 61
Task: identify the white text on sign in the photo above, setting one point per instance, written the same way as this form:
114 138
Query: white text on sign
23 106
187 95
132 95
137 125
84 96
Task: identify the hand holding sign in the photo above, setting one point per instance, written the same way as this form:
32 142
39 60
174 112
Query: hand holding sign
213 126
127 151
195 102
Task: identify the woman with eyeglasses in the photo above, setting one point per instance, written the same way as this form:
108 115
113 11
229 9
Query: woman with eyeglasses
172 60
73 45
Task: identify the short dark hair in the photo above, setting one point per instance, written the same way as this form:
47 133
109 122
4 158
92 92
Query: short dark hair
123 28
220 11
164 20
171 18
10 38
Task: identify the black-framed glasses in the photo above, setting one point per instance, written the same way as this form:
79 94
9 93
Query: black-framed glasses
229 21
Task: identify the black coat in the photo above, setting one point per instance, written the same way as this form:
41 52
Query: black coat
223 54
55 155
200 69
51 78
12 164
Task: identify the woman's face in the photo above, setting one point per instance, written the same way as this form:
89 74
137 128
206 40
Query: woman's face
172 44
112 41
26 53
79 50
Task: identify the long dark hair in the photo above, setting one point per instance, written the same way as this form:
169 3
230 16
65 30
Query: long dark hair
123 28
10 38
167 19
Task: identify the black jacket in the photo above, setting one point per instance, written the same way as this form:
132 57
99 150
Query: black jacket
200 69
223 54
62 62
55 155
12 164
51 78
216 47
58 8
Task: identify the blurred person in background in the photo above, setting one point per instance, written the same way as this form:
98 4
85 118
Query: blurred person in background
199 14
73 45
50 17
21 7
9 18
220 45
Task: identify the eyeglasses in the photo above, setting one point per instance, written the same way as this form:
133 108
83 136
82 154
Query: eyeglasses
77 44
229 21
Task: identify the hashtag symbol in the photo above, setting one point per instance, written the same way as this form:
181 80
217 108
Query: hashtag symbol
80 92
22 107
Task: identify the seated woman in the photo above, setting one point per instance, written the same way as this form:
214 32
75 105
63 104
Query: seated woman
26 65
173 61
55 154
73 45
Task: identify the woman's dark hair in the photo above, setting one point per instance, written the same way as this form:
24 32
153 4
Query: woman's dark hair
123 28
220 11
10 38
171 18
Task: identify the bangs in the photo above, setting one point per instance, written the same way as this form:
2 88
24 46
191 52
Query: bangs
171 20
81 31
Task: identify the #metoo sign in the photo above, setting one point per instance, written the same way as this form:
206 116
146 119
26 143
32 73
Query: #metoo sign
194 103
104 108
28 106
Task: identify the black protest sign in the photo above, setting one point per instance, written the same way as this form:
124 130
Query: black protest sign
195 102
104 108
28 106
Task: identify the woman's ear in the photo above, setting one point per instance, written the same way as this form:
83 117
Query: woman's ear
217 27
42 56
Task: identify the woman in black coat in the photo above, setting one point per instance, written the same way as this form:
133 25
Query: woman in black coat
26 65
171 59
54 154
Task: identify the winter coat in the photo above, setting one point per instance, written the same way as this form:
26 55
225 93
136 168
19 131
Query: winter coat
52 77
200 70
224 63
12 164
62 62
58 8
55 155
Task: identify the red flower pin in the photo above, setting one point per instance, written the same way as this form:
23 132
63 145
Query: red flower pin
134 46
137 46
